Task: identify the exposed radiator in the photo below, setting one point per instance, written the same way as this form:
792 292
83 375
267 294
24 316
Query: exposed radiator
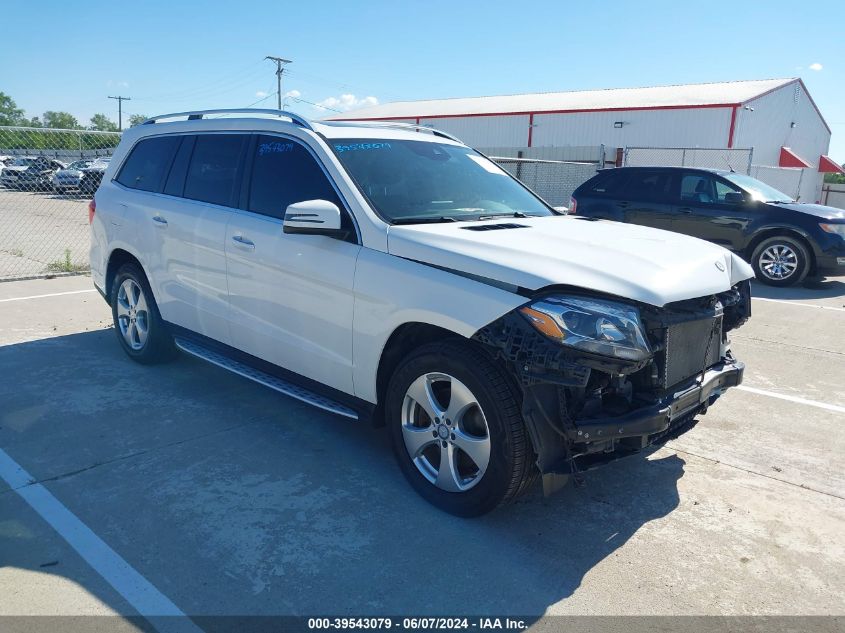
687 351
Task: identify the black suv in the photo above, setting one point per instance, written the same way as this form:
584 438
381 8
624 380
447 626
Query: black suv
782 239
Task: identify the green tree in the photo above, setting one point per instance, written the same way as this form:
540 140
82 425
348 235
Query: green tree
137 119
836 179
61 120
102 123
33 122
10 113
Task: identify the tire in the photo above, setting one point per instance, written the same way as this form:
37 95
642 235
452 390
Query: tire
487 410
781 261
137 322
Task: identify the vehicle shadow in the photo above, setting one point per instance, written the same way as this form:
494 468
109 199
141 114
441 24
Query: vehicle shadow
829 288
232 499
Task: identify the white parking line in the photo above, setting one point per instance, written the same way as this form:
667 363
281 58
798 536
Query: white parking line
795 303
136 589
783 396
52 294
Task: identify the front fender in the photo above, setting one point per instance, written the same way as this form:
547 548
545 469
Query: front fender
391 291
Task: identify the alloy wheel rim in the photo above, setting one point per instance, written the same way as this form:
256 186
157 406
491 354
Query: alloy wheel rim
445 432
778 262
132 314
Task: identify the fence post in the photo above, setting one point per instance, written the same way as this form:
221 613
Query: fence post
625 157
519 165
800 178
601 156
750 160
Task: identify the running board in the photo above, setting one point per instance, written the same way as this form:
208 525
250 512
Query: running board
282 386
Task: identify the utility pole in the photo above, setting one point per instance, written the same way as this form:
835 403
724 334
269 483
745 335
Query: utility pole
120 101
280 63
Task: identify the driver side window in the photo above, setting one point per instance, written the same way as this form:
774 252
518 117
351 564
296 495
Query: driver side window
697 188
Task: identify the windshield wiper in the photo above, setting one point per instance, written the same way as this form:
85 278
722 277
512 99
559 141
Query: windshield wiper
779 201
515 214
424 219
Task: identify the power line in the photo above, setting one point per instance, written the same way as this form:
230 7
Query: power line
120 101
280 63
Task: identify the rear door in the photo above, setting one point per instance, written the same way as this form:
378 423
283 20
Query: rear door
710 208
291 296
184 218
646 198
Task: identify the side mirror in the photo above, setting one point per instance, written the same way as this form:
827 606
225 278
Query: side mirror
734 197
313 217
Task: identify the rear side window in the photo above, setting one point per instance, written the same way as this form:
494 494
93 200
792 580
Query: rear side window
648 185
148 163
284 172
214 167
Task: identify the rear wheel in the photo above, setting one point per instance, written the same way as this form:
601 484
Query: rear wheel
137 322
781 261
456 429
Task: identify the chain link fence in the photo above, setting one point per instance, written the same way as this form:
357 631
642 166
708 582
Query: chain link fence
552 180
47 178
738 160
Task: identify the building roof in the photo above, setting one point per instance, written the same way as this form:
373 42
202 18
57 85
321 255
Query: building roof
725 93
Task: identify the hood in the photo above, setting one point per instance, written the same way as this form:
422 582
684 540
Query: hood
634 262
16 168
818 210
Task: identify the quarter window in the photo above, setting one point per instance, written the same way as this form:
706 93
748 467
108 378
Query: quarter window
213 170
284 172
148 163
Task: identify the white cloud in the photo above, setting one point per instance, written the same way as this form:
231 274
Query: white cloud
347 102
293 94
816 66
260 94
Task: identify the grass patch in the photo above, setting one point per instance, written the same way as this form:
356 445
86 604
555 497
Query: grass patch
66 265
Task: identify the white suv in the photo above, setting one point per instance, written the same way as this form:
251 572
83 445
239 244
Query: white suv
387 272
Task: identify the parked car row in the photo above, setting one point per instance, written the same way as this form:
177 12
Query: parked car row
40 173
784 240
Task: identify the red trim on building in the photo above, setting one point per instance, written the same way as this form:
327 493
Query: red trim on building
530 112
788 158
733 127
418 120
829 166
530 127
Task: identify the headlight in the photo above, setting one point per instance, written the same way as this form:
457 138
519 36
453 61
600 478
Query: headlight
839 229
600 327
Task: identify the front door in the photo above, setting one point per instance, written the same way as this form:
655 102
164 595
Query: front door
711 208
290 296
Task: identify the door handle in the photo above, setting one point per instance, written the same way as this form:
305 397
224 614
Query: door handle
159 220
622 204
685 210
244 242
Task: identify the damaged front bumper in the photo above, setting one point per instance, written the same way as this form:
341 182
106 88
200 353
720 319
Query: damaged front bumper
691 398
583 410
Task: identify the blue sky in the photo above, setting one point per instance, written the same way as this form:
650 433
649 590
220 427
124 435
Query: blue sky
170 56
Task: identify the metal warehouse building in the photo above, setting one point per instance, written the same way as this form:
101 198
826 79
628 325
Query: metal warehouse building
776 119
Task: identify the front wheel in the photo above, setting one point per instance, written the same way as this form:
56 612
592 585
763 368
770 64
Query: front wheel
781 261
456 429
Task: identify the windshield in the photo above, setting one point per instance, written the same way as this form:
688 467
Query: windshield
23 162
79 164
409 181
758 190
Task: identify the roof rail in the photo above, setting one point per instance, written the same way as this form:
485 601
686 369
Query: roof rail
393 124
199 114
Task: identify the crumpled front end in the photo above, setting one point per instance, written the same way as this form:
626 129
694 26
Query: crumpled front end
584 409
